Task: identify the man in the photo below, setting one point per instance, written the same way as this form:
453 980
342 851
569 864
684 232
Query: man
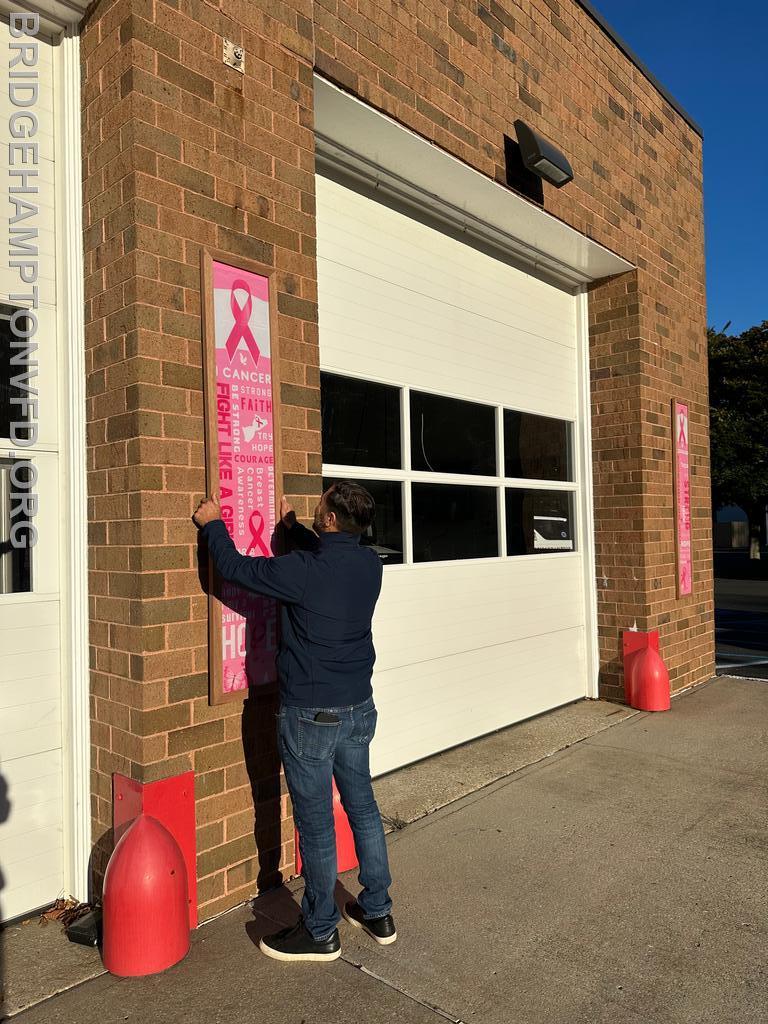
328 589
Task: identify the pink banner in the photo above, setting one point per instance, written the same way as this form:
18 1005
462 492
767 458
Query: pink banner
246 451
680 426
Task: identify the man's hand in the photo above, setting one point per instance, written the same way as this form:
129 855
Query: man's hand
208 510
287 515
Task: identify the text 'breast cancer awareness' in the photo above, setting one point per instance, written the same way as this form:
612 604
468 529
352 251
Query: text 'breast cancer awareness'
256 526
241 329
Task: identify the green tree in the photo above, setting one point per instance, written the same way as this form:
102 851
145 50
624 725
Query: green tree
738 397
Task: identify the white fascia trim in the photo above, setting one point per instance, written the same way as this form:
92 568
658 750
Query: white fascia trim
71 328
361 143
55 15
586 512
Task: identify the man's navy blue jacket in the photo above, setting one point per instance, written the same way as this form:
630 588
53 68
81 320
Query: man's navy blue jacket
328 591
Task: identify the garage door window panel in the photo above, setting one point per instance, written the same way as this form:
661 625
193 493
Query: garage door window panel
539 522
536 447
454 521
360 423
385 535
449 435
456 490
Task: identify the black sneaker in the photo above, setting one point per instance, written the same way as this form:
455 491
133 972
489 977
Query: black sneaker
381 929
296 943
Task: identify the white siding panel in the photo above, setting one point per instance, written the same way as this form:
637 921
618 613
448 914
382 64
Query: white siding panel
15 613
400 301
44 688
463 648
26 668
24 870
31 782
29 771
426 261
32 883
25 639
45 167
428 707
30 822
40 835
30 728
31 759
22 898
44 736
432 611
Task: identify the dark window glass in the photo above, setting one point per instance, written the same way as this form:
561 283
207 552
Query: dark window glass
536 447
361 422
539 521
454 521
15 557
10 412
385 536
451 436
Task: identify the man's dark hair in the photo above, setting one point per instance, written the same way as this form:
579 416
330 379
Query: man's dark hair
353 505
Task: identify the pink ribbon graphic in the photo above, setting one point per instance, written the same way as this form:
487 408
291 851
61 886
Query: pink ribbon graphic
256 526
682 439
241 330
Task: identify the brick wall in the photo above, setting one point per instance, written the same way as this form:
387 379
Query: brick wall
635 374
182 152
460 73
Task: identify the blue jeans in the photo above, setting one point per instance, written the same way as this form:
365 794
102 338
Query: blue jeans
313 753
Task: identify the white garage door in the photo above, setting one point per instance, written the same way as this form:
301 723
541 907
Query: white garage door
31 768
451 385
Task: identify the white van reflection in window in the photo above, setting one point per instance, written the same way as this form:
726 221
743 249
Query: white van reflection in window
552 533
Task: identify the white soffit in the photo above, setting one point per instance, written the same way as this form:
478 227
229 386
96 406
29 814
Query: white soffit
355 138
55 15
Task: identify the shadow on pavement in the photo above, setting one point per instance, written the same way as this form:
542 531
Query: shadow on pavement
280 908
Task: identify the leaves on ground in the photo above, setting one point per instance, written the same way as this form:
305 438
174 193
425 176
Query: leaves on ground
65 912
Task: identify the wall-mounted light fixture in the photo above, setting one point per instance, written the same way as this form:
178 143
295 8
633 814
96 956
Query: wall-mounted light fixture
543 157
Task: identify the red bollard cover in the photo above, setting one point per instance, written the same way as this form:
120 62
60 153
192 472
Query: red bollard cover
171 802
345 842
650 682
646 678
146 919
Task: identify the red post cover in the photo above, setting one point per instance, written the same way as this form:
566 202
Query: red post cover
172 802
146 922
646 679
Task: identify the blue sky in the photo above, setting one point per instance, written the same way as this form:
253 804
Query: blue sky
715 66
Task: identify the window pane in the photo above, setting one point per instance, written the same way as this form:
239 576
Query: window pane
539 521
361 422
10 412
385 535
450 436
16 480
454 521
536 447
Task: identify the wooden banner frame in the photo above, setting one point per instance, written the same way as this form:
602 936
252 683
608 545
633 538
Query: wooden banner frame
679 589
216 694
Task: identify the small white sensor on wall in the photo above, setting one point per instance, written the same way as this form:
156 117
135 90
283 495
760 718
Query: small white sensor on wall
234 56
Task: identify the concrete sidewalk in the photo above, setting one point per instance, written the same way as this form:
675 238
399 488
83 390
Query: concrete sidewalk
620 880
